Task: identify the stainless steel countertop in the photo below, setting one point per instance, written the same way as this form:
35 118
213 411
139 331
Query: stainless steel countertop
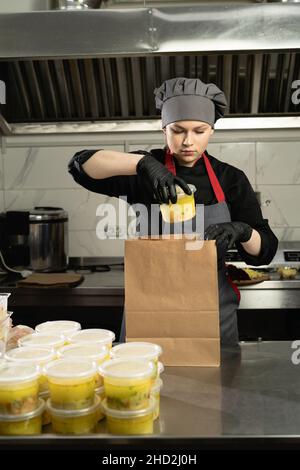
254 395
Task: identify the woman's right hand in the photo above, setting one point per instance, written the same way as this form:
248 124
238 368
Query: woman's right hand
161 180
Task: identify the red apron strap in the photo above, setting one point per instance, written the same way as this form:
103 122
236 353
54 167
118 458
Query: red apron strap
214 180
170 165
169 162
234 287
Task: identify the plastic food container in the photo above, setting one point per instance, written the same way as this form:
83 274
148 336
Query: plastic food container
155 393
35 356
42 340
23 424
127 383
93 335
75 421
90 352
63 327
183 210
18 388
129 422
138 350
71 383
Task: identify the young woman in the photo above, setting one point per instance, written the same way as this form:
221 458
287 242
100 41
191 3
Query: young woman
232 215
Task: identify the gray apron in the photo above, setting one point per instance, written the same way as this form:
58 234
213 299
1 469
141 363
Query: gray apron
229 296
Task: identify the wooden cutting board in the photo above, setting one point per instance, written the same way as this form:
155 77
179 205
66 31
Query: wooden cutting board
51 280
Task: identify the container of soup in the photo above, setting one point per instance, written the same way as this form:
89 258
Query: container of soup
91 352
138 350
62 327
93 335
183 210
42 340
75 421
127 383
129 422
35 356
23 424
71 383
19 388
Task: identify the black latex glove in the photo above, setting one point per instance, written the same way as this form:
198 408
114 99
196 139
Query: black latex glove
161 180
228 233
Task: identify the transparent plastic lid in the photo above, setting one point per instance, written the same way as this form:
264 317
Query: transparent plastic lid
128 414
127 369
73 413
87 351
42 339
141 350
11 373
27 354
58 326
70 368
93 335
25 416
157 386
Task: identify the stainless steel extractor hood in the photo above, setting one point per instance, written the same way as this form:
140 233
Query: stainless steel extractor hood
102 65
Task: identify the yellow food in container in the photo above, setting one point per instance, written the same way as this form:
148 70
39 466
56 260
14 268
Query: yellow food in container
129 422
42 340
127 383
71 383
35 356
63 327
23 424
155 393
91 352
75 421
138 350
93 335
183 210
18 388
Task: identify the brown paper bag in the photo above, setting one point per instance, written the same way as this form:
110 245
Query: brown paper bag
171 298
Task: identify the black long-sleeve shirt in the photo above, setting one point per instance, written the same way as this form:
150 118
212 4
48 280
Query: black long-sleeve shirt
239 194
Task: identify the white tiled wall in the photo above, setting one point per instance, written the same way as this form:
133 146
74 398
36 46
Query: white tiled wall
31 176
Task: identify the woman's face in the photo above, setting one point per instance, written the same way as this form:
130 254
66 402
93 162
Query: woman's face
187 140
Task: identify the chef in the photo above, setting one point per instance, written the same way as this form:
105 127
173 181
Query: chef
232 215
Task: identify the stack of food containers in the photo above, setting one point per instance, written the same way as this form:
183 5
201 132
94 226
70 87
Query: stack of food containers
129 378
38 357
74 381
21 408
147 352
75 370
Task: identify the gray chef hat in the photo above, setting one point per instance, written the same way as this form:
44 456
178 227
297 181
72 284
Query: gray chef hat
181 99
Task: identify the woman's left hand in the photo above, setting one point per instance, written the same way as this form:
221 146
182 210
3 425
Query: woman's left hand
228 233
